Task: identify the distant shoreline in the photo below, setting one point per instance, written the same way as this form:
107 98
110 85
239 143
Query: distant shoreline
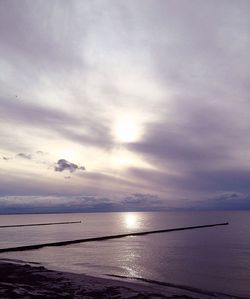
123 211
20 279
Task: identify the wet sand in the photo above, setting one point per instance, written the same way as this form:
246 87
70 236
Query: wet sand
23 280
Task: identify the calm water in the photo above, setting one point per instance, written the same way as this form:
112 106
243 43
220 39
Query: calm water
216 259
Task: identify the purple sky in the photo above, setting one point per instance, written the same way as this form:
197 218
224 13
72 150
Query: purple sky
124 105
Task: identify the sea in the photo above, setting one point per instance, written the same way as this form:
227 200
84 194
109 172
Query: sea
214 258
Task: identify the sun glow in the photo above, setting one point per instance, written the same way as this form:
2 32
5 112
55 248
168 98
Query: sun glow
127 129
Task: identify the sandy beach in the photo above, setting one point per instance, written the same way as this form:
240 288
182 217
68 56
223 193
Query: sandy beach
23 280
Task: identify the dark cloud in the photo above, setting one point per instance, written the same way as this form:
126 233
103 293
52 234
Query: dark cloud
141 201
202 149
225 201
140 198
63 164
194 181
203 136
73 203
133 202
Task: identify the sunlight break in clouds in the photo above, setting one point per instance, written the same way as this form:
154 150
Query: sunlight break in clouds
127 130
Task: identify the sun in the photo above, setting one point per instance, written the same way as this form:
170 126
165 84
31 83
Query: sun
126 130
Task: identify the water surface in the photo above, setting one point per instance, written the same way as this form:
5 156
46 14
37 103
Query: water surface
216 258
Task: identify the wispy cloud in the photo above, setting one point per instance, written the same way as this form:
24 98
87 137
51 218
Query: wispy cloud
24 156
6 158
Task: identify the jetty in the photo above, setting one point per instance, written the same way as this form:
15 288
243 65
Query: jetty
39 224
103 238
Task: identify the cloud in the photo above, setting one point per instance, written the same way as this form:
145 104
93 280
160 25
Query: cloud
131 202
24 156
63 164
225 201
41 153
55 122
34 156
140 198
192 182
37 115
6 158
73 203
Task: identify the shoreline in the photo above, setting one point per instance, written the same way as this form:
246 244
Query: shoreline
29 280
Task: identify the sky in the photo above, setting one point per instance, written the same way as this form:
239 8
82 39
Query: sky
112 105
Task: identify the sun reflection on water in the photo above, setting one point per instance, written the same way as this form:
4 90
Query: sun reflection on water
131 220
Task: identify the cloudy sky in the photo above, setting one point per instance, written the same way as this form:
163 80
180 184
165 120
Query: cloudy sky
124 104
